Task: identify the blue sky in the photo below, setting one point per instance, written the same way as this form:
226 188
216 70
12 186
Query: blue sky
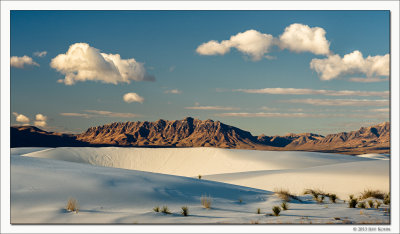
251 76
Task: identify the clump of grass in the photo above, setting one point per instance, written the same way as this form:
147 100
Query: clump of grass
370 203
206 201
352 203
199 177
185 211
386 199
332 197
276 210
258 211
361 205
372 193
156 209
285 195
72 205
377 204
284 206
318 195
351 196
165 210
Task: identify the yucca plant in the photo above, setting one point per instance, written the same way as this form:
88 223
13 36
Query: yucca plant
156 209
185 211
165 210
72 205
284 205
332 197
258 211
377 204
361 205
276 210
370 203
352 203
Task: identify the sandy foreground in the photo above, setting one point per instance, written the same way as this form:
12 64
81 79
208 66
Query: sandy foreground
123 185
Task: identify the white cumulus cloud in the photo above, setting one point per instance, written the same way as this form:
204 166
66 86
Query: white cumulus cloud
82 62
40 53
21 118
20 62
334 66
133 97
40 120
302 38
251 42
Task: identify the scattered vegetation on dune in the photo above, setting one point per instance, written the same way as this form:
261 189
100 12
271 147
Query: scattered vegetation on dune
386 199
361 205
285 195
332 197
185 211
165 210
206 201
370 203
276 210
72 205
352 203
284 206
372 193
377 204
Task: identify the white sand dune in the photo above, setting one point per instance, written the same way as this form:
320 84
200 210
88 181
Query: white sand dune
193 161
42 180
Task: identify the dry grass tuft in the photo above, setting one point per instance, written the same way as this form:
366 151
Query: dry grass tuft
156 209
206 201
72 205
284 206
258 211
165 210
285 195
372 193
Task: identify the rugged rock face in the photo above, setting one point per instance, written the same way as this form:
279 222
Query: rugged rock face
188 132
191 132
29 136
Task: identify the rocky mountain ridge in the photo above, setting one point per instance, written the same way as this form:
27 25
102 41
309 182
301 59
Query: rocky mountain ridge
191 132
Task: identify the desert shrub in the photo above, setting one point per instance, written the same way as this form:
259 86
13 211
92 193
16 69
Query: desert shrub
372 193
361 205
352 203
284 206
258 211
332 197
318 195
206 201
165 210
72 205
156 209
320 199
351 196
377 204
370 203
199 177
276 210
386 199
285 195
185 211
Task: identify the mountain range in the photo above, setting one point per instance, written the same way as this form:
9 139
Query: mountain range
191 132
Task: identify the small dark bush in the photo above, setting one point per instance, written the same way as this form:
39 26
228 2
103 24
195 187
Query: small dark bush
258 211
370 203
276 210
284 206
185 211
361 205
333 198
199 177
165 210
352 203
156 209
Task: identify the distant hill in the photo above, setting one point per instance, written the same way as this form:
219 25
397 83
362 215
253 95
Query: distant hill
191 132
